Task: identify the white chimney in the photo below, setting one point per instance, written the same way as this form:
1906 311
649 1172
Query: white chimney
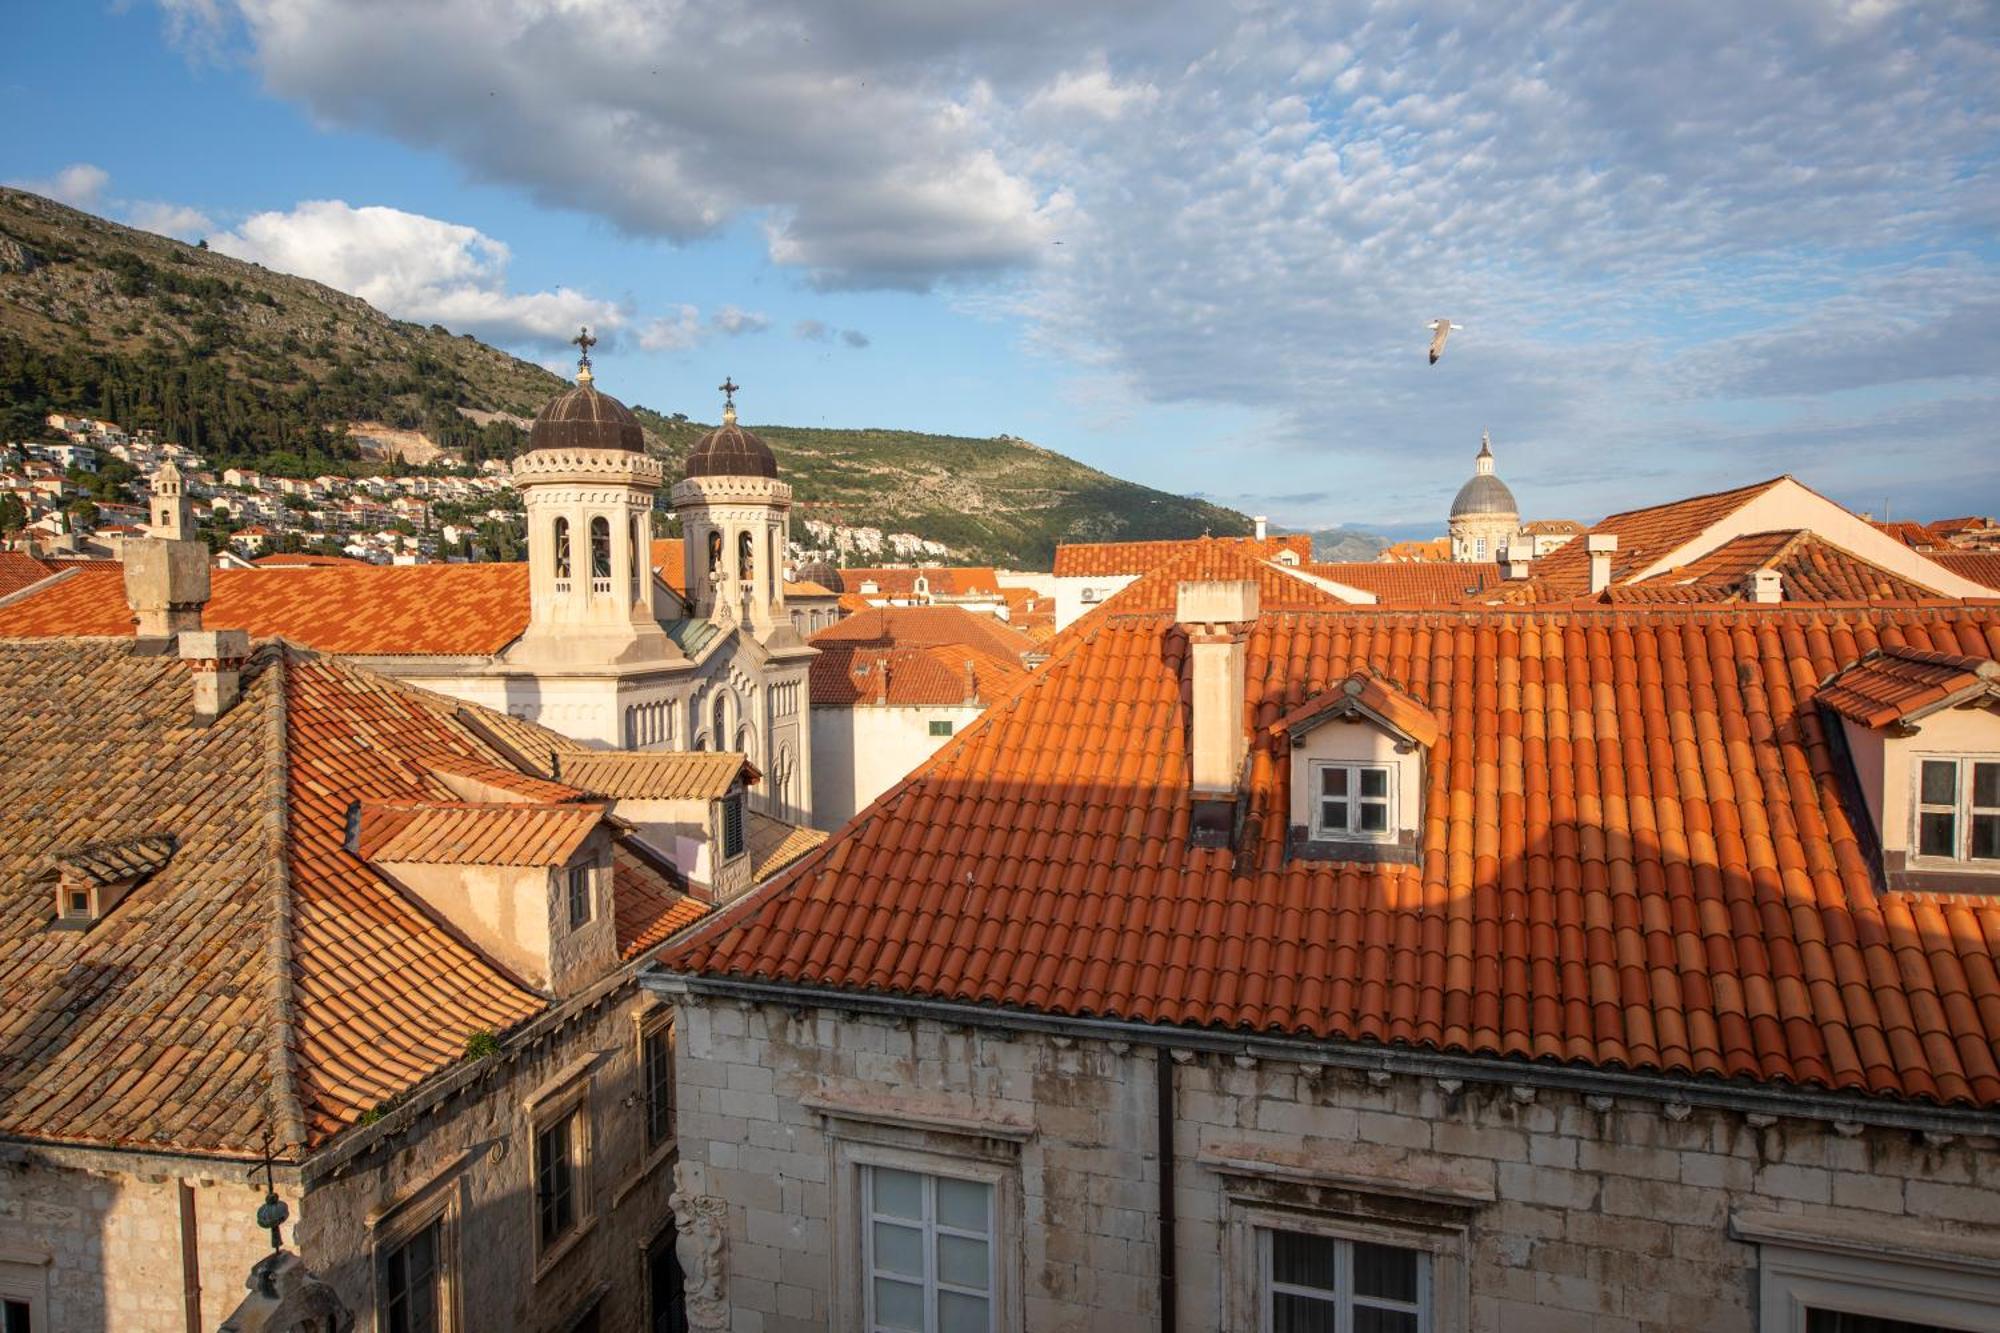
216 658
1517 567
1216 616
166 585
1767 587
1601 546
1263 526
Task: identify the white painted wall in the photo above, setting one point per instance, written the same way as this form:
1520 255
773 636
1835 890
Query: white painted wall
1357 742
1071 602
860 752
1887 766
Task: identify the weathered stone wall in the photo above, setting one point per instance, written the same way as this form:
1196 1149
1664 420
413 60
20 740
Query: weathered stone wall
113 1239
493 1125
1586 1215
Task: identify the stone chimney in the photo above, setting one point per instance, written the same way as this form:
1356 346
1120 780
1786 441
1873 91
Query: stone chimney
1601 545
1767 587
216 658
166 585
1217 617
1517 566
1263 526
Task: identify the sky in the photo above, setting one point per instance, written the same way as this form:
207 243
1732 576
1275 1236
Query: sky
1195 244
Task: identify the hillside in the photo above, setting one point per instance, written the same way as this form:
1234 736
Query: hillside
245 364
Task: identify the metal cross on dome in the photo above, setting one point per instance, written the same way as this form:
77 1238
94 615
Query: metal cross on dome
729 388
583 343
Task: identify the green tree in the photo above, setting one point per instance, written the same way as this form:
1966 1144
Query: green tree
13 514
82 514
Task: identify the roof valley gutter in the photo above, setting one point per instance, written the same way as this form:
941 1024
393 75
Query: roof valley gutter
1784 1100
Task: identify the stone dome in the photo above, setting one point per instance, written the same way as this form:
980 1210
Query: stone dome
823 573
731 451
583 418
1484 493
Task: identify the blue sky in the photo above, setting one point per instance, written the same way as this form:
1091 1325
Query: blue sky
1194 244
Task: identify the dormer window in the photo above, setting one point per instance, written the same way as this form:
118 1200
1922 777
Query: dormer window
732 826
1357 771
580 896
1356 801
1958 809
93 879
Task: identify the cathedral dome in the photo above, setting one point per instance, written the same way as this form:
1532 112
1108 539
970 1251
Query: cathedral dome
1483 493
729 450
583 418
823 573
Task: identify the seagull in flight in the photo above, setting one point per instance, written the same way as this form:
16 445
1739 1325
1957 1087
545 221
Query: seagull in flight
1440 330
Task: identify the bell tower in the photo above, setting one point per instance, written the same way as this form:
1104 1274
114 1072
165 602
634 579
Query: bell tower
172 512
588 485
736 521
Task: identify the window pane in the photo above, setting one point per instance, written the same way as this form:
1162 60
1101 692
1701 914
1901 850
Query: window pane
1833 1321
1384 1270
1300 1314
1986 786
1305 1261
1937 834
1333 782
958 1313
899 1249
1940 782
898 1193
1374 817
899 1305
962 1204
18 1318
1383 1321
962 1262
1986 837
1374 782
1333 814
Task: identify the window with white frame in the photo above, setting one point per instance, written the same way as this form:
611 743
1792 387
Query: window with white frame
1328 1284
1958 809
1354 802
927 1252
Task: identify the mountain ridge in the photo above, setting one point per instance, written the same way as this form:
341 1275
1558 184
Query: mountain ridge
248 365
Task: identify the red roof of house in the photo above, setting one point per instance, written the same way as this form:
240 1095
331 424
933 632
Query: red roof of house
926 627
1979 566
1092 559
1635 854
1411 582
20 570
358 610
943 581
845 674
1644 535
1812 569
295 558
1897 684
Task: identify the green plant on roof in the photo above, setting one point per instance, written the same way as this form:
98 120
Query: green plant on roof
480 1044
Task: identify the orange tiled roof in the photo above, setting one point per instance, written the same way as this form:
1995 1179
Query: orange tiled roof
1364 693
1644 535
650 900
465 833
1813 570
20 570
944 581
1097 559
478 774
1913 535
846 674
1279 587
773 844
1979 566
357 610
165 1026
299 559
926 627
1412 582
660 775
1635 854
1898 684
1432 549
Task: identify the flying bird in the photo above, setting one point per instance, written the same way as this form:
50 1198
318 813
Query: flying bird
1440 330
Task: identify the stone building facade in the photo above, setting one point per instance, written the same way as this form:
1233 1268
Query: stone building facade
1520 1200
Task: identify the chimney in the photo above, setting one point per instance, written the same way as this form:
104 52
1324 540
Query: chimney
216 658
1517 567
1767 587
1263 526
971 683
166 585
1601 546
1216 616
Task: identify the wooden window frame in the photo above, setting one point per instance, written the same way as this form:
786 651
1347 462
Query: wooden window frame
1354 800
438 1200
572 1102
1962 811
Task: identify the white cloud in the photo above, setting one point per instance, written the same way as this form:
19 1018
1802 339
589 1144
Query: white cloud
417 268
80 185
672 333
735 322
177 220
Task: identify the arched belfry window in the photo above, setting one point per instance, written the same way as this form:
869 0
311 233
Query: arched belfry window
714 553
562 548
641 556
721 721
777 568
600 548
746 560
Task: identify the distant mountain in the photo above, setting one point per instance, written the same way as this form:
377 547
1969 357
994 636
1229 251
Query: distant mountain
244 364
1343 543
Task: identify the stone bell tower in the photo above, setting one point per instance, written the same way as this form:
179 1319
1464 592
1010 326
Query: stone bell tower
736 519
172 512
588 487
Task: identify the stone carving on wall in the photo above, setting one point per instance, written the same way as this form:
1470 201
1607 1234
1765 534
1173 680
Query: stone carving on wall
703 1223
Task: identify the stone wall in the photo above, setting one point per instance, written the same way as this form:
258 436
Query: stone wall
1578 1214
112 1239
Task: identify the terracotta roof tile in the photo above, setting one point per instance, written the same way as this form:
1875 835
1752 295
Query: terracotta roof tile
1411 582
355 610
660 775
650 900
1900 684
942 580
464 833
1635 854
926 627
20 570
1812 569
1644 535
1096 559
846 674
774 844
1979 566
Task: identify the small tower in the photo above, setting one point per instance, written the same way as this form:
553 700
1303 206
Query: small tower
1484 517
588 487
736 521
172 511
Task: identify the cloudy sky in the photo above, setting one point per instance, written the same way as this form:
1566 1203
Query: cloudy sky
1195 244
